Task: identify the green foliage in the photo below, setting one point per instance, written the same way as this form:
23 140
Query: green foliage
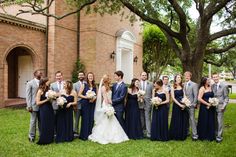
157 54
232 95
14 132
78 67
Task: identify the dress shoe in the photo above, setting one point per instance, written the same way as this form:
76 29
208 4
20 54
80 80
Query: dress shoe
31 139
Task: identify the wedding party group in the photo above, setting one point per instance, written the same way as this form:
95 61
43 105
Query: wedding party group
116 113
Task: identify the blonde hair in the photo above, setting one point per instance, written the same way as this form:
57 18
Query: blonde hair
106 82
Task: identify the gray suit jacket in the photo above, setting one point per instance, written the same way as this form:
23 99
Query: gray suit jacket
147 97
54 87
191 92
31 91
76 87
221 93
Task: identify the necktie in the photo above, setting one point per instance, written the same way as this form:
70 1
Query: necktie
59 86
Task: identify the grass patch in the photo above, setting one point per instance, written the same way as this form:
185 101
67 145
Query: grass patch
232 95
14 125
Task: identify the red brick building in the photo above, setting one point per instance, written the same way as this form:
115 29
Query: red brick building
28 42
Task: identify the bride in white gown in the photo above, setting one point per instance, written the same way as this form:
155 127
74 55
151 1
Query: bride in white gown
106 130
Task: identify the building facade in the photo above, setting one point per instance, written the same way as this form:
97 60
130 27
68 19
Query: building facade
103 44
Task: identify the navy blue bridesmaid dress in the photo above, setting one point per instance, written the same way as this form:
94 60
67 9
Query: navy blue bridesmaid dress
179 120
159 124
87 113
64 131
132 118
206 120
46 117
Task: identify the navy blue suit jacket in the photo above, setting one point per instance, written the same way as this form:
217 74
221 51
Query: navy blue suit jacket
118 96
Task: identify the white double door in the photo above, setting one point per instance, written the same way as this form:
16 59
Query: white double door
25 74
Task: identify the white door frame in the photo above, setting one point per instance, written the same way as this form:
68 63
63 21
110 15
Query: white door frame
125 43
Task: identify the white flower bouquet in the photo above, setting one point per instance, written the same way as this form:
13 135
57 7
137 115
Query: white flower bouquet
51 94
186 101
110 111
61 101
214 101
140 94
156 101
90 94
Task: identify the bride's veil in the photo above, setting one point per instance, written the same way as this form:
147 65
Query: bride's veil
98 107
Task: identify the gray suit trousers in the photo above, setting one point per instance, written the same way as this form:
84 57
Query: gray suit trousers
192 122
34 117
220 124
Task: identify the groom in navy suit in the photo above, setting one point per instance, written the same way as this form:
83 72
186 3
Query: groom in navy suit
119 91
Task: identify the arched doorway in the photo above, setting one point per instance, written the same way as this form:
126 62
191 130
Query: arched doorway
125 53
20 71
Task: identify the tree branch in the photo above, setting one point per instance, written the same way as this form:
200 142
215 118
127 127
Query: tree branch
213 7
181 15
222 50
214 63
159 23
37 10
222 34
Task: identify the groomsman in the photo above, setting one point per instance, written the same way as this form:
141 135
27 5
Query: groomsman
119 91
145 106
57 86
221 92
191 92
31 91
77 112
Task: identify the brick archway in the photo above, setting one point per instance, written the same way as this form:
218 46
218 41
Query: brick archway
18 59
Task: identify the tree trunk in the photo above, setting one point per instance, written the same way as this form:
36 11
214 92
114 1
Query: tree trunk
195 66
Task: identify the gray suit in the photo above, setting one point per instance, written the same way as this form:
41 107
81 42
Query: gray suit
222 94
54 87
31 91
145 109
77 114
191 92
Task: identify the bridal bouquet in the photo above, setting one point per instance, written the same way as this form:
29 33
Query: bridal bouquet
90 94
156 101
186 101
140 94
51 94
110 111
214 101
61 101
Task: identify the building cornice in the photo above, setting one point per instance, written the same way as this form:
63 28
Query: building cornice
12 20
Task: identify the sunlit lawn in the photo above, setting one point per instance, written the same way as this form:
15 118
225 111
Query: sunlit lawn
232 96
14 124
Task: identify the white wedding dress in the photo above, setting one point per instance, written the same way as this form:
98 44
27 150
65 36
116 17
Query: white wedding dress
106 130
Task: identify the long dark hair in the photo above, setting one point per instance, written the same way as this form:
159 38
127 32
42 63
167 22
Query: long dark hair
132 85
42 84
175 83
158 82
203 82
93 82
69 87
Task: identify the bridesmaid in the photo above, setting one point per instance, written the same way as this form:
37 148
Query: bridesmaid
206 118
87 107
64 131
180 119
159 125
132 114
46 115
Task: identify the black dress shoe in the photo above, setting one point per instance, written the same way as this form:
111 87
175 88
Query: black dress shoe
194 139
31 140
218 141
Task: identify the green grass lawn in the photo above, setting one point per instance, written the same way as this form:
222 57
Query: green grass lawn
14 124
232 96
